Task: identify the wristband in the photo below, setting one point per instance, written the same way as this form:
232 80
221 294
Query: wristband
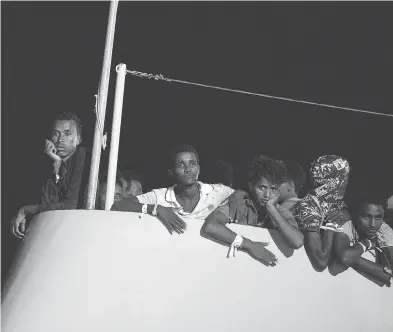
144 211
236 244
332 227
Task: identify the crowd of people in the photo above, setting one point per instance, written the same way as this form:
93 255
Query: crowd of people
335 236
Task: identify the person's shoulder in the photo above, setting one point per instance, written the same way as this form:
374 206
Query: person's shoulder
217 189
307 202
214 186
157 191
217 185
225 190
289 203
385 227
240 194
386 230
82 152
238 199
80 155
347 229
385 234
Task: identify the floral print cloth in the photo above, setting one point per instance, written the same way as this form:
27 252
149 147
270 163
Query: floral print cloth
329 175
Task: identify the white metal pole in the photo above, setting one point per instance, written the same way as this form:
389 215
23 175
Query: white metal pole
115 135
102 100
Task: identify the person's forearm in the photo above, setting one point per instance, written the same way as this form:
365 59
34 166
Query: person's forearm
337 267
29 209
351 256
56 167
371 278
224 235
220 233
326 246
319 248
372 271
64 205
131 205
291 234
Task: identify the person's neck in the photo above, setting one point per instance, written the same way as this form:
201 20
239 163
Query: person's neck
190 191
68 157
257 205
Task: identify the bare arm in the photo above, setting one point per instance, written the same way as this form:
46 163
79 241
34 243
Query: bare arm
29 209
18 223
346 254
215 227
292 235
372 271
318 248
350 256
170 220
131 204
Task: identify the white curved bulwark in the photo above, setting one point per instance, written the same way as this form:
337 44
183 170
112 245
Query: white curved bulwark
82 271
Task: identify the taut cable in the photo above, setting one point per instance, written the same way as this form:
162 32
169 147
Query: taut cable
162 78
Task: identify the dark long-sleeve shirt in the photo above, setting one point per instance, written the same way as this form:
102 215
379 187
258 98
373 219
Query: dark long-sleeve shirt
68 192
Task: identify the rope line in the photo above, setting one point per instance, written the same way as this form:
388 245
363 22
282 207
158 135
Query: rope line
162 78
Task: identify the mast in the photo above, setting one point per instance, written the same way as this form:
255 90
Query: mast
115 135
102 101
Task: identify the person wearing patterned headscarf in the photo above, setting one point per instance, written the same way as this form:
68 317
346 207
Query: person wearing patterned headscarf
365 243
322 211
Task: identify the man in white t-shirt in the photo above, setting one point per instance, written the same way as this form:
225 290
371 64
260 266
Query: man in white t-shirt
187 199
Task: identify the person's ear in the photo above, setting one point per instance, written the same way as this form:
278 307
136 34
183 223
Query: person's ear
250 186
197 175
290 186
78 139
170 173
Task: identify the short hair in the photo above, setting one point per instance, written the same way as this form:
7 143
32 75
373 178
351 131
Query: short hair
179 149
369 198
69 116
128 175
272 170
296 174
121 176
218 171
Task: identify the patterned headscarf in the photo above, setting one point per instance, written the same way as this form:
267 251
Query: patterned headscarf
329 175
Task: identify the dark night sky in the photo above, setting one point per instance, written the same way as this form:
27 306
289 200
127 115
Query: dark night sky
328 52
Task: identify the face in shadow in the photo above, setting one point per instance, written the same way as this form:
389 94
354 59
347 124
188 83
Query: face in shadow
102 194
368 219
134 188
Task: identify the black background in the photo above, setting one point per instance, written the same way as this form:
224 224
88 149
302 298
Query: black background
328 52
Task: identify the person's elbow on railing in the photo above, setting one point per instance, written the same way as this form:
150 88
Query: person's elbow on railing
215 228
166 215
318 248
